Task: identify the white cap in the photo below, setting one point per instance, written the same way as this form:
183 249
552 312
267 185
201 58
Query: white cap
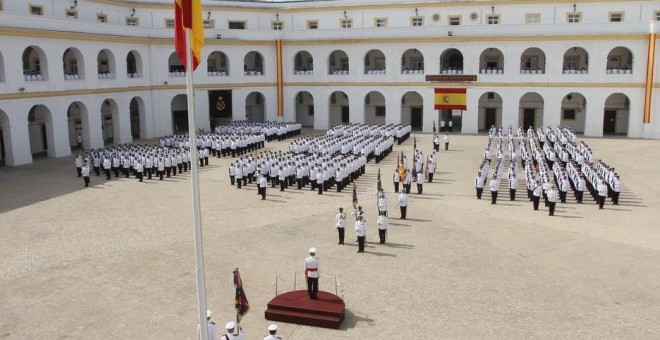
208 313
272 327
312 250
230 325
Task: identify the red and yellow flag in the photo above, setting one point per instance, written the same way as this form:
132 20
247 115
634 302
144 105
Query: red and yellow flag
188 14
450 99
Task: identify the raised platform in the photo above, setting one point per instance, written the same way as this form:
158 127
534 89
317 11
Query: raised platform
296 307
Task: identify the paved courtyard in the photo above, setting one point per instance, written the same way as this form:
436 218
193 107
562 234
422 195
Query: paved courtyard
116 260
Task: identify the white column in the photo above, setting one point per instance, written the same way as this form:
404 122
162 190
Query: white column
58 134
321 110
430 113
392 107
551 115
356 107
17 142
91 124
510 111
593 124
470 122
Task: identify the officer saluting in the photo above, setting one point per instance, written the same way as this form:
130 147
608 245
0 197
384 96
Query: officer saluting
340 223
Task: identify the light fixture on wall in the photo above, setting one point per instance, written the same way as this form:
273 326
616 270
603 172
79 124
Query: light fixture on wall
75 4
450 34
574 7
21 89
277 17
208 15
492 9
416 12
218 36
132 12
345 16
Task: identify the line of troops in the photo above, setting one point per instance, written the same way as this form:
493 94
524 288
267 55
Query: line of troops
399 132
271 130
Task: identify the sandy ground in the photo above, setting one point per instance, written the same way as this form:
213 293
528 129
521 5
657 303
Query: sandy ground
116 260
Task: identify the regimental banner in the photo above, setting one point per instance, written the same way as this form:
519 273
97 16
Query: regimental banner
220 104
450 99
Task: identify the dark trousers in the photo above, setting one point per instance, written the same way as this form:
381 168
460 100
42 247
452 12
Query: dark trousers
281 185
341 231
493 197
408 188
436 147
79 171
551 208
419 188
381 235
140 176
601 201
262 191
361 244
446 146
615 197
479 192
312 287
160 174
320 188
562 196
396 186
578 196
536 200
512 194
238 183
86 178
232 179
107 173
430 177
403 212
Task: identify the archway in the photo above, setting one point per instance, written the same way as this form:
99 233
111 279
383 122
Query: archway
490 110
412 62
374 108
412 110
105 64
179 106
576 61
35 64
303 63
136 109
491 61
134 64
616 114
217 64
574 111
5 139
532 61
338 111
77 119
304 104
255 107
451 62
338 62
530 110
374 62
253 64
110 118
175 66
74 64
619 61
40 129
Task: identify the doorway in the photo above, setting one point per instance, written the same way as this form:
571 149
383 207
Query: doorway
491 116
416 118
609 122
345 114
179 121
528 118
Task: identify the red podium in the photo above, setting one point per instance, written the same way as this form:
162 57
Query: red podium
296 307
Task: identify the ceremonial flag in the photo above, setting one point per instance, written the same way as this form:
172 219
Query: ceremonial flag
379 184
188 14
355 199
450 99
242 304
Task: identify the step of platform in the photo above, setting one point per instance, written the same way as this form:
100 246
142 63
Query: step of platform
304 318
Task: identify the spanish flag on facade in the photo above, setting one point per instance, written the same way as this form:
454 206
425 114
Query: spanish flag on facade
450 99
188 14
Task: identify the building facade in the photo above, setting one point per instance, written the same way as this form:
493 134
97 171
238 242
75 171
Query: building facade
106 69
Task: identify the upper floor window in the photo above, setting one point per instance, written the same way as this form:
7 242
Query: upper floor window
36 10
572 18
616 16
71 13
657 15
346 23
533 18
169 23
312 24
101 17
277 25
380 22
417 21
132 21
454 20
236 25
493 19
1 5
209 23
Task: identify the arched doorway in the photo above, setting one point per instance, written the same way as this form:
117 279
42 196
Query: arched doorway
338 62
491 61
574 111
136 109
374 108
105 62
412 62
40 129
179 106
253 64
616 114
134 64
490 111
5 139
412 110
35 65
530 110
374 62
74 64
304 108
255 107
451 62
77 118
303 63
110 118
338 111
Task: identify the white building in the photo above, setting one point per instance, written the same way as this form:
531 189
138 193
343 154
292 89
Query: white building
107 69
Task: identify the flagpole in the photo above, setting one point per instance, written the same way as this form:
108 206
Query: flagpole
197 215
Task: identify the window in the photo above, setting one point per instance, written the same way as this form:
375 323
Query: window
169 23
310 110
36 10
277 25
209 23
616 16
573 18
71 14
657 15
493 19
533 18
346 23
132 21
454 20
380 22
312 24
568 114
380 111
236 25
101 17
571 63
417 21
